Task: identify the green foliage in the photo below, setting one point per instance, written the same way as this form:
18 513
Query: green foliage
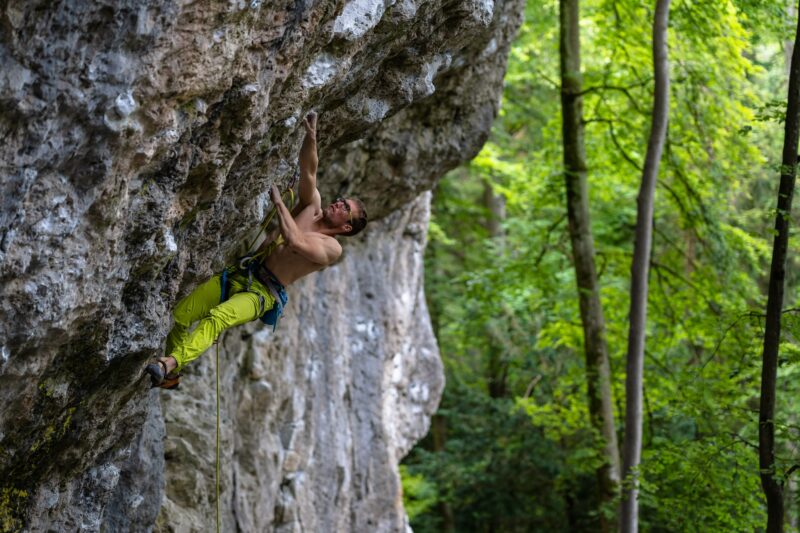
495 471
419 495
518 453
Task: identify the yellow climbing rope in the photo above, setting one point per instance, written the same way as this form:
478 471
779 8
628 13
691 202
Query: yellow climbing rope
265 252
268 219
216 474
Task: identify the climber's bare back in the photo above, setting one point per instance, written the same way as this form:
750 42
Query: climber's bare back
289 265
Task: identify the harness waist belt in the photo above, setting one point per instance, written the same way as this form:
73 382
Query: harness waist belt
269 279
278 291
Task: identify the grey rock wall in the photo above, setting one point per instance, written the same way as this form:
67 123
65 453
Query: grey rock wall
139 140
316 415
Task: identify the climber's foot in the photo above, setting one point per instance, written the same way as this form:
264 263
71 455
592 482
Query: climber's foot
160 373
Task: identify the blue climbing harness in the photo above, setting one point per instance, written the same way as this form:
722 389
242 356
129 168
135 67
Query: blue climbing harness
252 264
255 268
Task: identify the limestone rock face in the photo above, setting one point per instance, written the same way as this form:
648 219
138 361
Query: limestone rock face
316 415
139 140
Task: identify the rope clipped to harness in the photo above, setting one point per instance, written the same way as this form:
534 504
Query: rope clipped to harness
216 471
246 263
250 263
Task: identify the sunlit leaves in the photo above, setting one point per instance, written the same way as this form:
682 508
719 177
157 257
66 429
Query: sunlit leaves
506 305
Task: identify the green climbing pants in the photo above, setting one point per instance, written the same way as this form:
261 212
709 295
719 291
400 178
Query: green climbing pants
242 306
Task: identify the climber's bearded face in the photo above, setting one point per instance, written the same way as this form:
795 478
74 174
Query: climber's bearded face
340 213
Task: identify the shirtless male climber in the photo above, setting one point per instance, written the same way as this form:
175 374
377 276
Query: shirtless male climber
308 245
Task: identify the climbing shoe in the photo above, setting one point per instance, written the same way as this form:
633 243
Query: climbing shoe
159 377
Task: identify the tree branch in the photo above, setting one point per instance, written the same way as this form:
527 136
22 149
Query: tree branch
623 90
614 139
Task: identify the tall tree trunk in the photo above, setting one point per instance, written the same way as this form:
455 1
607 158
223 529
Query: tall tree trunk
793 495
594 340
496 206
496 371
640 268
497 364
788 45
439 430
773 487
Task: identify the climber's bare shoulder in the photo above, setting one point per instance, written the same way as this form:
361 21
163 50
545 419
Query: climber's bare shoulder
314 252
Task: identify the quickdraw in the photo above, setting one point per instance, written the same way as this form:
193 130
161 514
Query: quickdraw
247 263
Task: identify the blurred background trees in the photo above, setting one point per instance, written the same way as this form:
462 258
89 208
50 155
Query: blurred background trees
512 447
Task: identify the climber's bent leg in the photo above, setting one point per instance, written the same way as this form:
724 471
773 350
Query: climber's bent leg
195 306
240 308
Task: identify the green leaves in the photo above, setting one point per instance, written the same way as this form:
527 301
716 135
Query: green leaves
505 307
419 495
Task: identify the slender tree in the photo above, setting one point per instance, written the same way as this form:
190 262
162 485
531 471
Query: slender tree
640 268
771 479
497 365
439 432
594 336
495 205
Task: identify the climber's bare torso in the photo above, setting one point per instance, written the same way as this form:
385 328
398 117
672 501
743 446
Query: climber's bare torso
309 231
289 264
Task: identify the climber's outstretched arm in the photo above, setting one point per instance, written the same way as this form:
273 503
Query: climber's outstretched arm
309 195
315 247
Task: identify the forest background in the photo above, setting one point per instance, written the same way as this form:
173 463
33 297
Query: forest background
512 447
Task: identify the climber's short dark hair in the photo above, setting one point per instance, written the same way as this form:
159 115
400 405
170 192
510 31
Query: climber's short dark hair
358 223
